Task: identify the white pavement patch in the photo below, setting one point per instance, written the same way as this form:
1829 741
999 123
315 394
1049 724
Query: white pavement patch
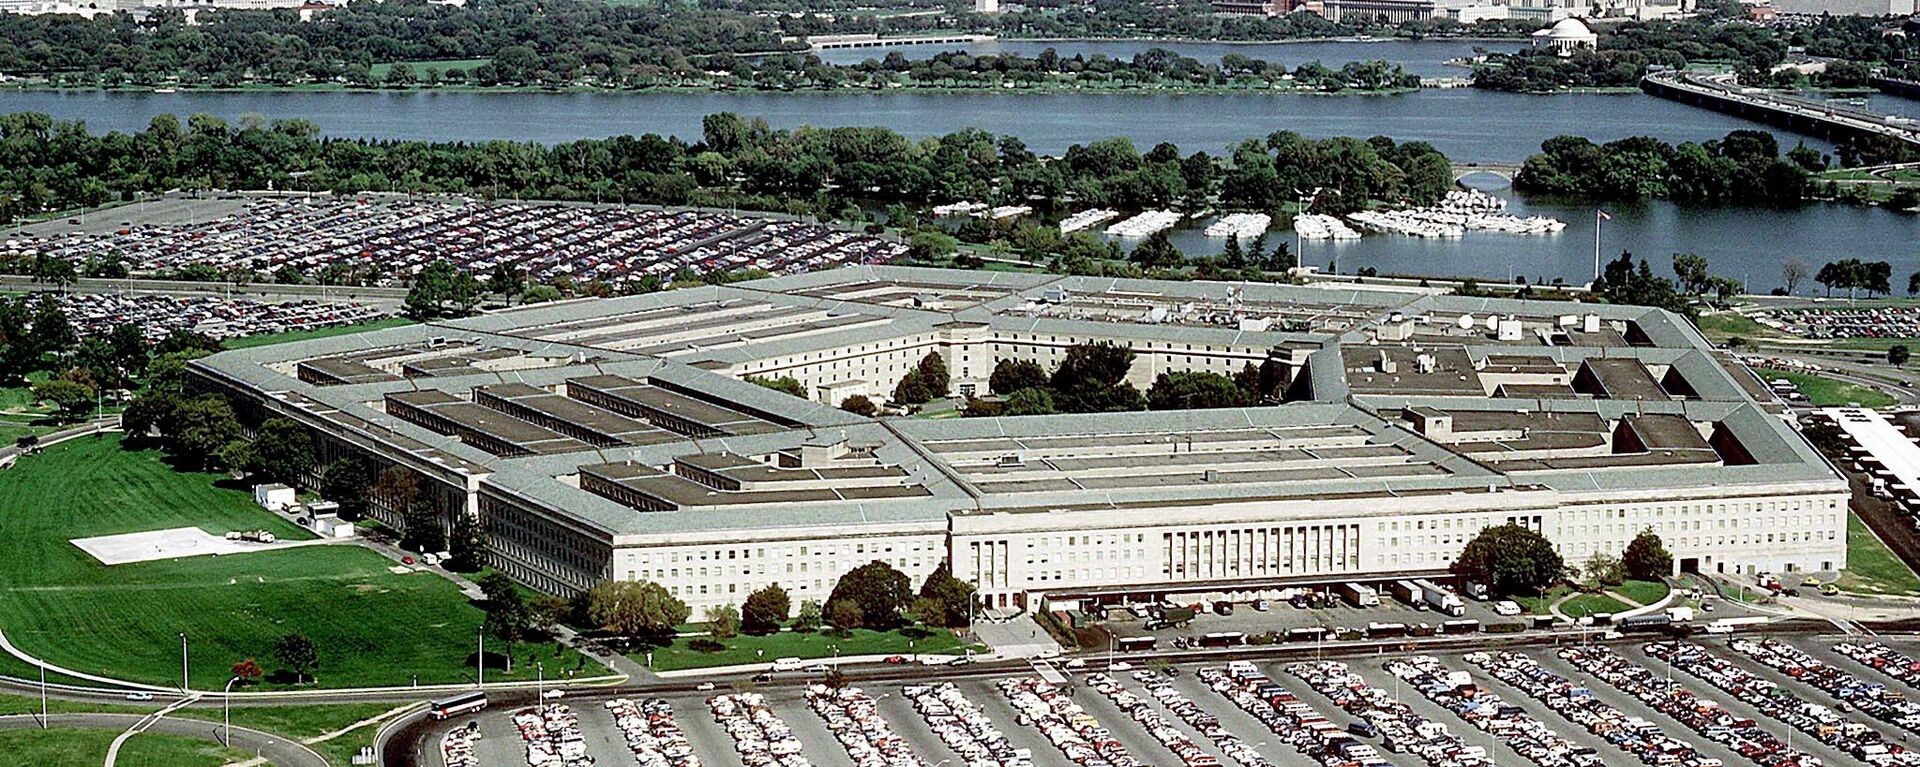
173 543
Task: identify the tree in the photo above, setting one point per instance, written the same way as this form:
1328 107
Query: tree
248 671
843 614
507 280
1091 379
1646 557
507 616
442 289
1793 271
298 654
723 621
1510 560
635 608
1195 391
348 482
809 616
765 609
912 389
945 600
73 400
1033 400
282 451
1012 375
201 428
934 375
1898 354
877 590
466 544
786 384
60 272
1691 268
1603 569
859 404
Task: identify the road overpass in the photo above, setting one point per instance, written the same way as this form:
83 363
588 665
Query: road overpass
1721 93
1461 170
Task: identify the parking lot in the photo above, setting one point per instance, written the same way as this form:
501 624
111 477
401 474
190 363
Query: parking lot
1744 700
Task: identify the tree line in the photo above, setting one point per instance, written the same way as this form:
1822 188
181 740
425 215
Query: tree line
1744 167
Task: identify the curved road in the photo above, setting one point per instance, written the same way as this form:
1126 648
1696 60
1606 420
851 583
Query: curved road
275 749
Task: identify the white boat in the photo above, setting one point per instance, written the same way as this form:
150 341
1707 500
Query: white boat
1245 226
1145 224
1087 218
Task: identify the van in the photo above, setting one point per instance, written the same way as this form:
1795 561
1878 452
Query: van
1363 729
788 664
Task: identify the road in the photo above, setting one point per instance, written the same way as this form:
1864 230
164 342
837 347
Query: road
275 749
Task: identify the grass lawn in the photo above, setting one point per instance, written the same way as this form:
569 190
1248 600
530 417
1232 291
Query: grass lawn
269 339
87 748
1720 326
1871 567
371 627
1542 605
787 644
1874 344
1644 592
1826 392
1588 604
295 722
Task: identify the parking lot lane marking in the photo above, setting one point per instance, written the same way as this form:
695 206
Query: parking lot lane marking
710 742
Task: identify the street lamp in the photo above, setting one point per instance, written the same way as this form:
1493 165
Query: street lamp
227 711
539 683
185 685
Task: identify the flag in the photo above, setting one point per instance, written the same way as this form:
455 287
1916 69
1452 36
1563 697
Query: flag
1604 216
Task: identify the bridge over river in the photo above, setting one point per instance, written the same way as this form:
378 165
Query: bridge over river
1721 93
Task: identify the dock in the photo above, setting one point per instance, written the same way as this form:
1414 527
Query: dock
1721 93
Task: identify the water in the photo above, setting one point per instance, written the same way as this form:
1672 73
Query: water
1467 124
1423 58
1742 243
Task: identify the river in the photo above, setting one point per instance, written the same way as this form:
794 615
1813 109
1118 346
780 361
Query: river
1469 125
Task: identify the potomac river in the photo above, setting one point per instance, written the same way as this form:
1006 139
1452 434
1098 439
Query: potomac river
1469 125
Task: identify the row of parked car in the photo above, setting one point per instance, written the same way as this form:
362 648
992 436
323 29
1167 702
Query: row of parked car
1641 739
1704 716
1822 722
1160 687
854 719
552 736
1882 658
1065 724
1137 708
964 727
94 315
759 735
651 733
1290 718
1870 698
1484 709
1401 729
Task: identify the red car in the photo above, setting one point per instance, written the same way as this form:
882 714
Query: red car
895 659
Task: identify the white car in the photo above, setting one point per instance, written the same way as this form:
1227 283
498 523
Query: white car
1077 663
1120 666
703 687
555 694
1506 607
140 696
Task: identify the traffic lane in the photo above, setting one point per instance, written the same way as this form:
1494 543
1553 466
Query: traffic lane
606 742
1699 687
280 751
906 722
984 694
1180 725
710 741
499 741
1632 706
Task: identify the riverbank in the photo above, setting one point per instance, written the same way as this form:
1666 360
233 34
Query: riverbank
917 90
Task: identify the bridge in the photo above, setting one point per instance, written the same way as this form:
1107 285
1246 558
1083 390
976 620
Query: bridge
827 42
1896 86
1721 93
1461 170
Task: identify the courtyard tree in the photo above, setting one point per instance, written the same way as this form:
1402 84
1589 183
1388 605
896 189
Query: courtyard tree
723 621
945 600
877 590
635 608
1646 557
1012 375
765 609
1510 560
859 404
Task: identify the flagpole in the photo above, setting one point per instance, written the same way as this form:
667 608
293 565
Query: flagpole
1597 213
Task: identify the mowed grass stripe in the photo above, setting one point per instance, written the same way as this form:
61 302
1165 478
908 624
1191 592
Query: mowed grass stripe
372 627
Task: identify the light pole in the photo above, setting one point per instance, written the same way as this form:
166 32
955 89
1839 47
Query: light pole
1110 642
480 660
836 657
226 714
43 697
540 683
185 685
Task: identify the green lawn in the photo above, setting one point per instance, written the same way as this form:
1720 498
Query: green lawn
371 627
268 339
787 644
88 748
1644 592
295 722
1542 605
1875 344
1826 392
1588 604
1871 567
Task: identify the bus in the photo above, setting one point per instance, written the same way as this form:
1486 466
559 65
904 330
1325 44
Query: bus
465 703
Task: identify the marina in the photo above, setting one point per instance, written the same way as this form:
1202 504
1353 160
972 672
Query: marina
1146 224
1243 226
1317 226
1087 218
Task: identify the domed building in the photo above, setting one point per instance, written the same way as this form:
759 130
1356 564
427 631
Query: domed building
1566 36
